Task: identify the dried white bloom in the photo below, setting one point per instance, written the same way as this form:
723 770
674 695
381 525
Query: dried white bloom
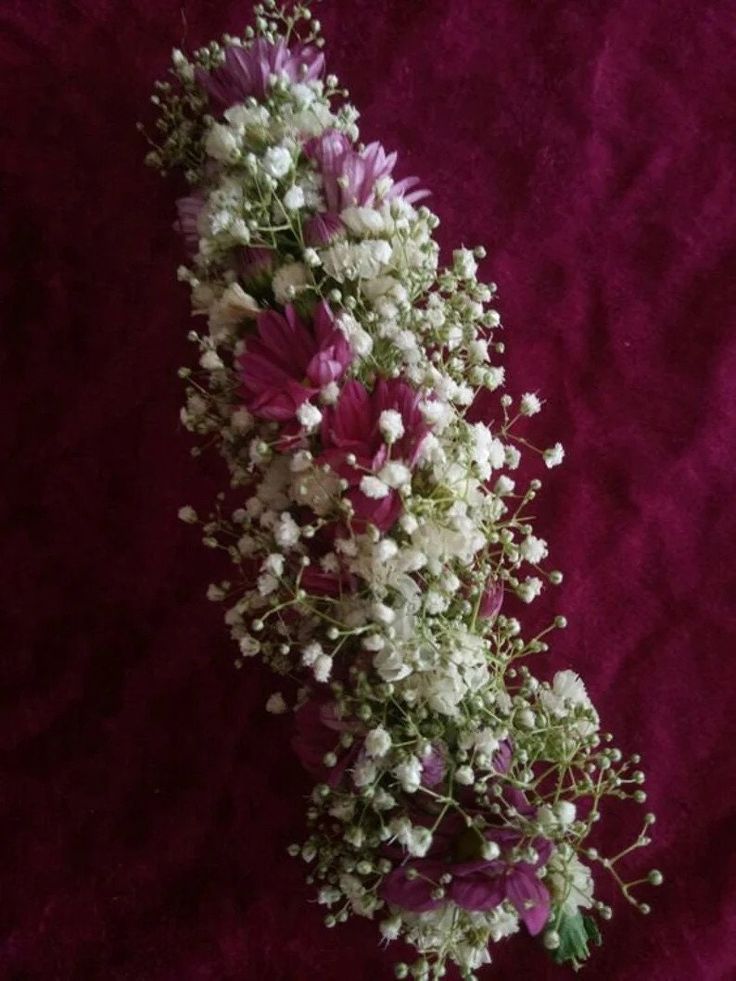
294 198
554 456
221 143
391 425
309 415
288 280
409 774
530 404
373 487
277 161
276 704
377 742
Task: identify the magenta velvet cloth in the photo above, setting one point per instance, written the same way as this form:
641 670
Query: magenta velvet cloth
146 798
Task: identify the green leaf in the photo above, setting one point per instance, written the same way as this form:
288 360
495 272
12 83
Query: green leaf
576 932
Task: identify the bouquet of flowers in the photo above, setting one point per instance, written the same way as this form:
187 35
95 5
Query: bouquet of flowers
376 529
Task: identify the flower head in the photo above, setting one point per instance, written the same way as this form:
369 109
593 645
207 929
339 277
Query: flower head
353 178
290 360
476 882
355 448
248 71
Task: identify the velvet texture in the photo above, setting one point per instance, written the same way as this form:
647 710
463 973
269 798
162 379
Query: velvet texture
146 798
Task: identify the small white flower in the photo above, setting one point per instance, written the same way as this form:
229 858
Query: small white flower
211 361
373 487
504 485
437 413
232 308
328 896
565 812
373 642
354 836
533 549
300 461
286 531
309 415
478 350
495 376
363 221
390 928
395 474
322 668
363 260
330 393
569 881
267 584
294 198
302 94
465 775
435 602
383 613
360 340
274 564
249 646
221 143
419 841
486 742
364 772
310 653
277 161
529 589
554 456
526 718
276 704
383 801
188 515
512 457
288 280
377 742
530 404
391 425
464 264
386 550
391 665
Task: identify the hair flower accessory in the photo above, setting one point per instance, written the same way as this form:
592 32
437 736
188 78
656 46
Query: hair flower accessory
377 528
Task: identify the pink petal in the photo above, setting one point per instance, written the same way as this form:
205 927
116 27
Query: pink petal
529 896
478 891
414 894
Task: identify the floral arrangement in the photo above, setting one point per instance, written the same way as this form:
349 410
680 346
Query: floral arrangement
377 530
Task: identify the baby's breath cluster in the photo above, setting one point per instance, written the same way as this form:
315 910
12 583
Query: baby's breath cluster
377 532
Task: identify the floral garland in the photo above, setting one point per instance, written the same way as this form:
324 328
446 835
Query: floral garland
378 528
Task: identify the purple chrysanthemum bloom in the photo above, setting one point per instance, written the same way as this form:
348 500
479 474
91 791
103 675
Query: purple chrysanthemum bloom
354 447
248 71
476 883
289 360
350 178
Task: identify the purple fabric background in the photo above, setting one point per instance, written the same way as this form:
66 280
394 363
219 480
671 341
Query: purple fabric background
146 799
